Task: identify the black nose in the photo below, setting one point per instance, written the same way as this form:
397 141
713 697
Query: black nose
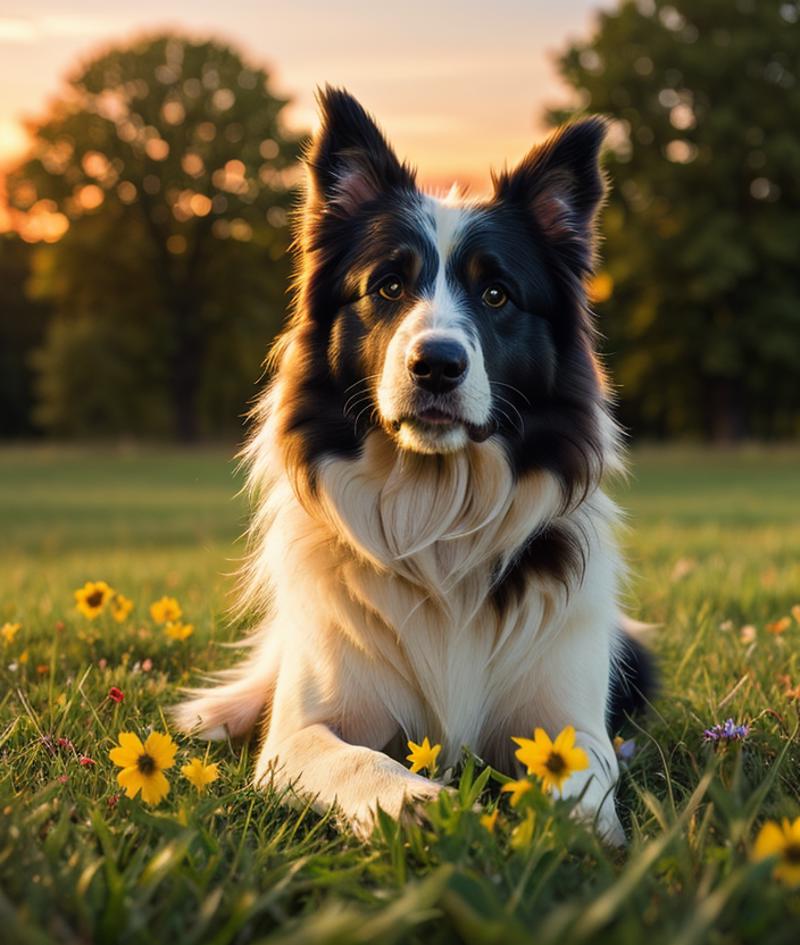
437 365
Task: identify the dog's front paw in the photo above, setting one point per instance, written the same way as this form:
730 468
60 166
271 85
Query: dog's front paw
407 808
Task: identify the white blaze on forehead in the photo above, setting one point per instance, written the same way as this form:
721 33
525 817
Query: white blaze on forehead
442 313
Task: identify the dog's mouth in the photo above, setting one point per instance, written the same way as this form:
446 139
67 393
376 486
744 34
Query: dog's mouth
436 422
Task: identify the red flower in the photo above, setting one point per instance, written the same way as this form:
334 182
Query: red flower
86 761
62 778
65 743
116 695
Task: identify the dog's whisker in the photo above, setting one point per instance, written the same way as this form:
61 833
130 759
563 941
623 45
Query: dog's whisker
516 390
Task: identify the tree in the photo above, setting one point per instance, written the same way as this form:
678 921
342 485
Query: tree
22 328
703 222
165 174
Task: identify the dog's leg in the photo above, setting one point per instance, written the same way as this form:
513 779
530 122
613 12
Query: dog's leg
315 764
575 692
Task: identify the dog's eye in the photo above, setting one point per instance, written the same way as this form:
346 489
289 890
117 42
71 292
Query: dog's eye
391 289
495 296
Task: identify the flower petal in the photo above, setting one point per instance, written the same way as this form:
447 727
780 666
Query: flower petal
161 749
769 842
131 779
129 749
565 740
155 788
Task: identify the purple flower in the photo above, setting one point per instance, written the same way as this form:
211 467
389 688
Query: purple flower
625 749
729 731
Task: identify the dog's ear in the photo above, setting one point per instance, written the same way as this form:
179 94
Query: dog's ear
350 162
560 183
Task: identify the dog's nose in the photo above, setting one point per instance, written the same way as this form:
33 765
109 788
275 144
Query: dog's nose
437 365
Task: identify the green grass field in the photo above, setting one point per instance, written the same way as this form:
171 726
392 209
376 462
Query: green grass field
714 545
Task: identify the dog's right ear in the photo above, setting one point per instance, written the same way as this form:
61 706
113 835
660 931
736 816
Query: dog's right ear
350 162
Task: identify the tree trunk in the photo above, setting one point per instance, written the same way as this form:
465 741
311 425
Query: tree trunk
725 410
186 367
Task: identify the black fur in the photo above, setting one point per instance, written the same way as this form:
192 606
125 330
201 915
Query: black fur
361 220
634 682
364 219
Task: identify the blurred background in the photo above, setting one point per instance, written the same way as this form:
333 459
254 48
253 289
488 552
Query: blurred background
147 167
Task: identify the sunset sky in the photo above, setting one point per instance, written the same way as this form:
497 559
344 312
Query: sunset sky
459 86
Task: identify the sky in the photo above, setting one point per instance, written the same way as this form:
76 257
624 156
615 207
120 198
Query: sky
459 86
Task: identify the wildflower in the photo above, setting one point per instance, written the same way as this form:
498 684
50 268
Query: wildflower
554 762
166 610
143 765
489 820
121 606
517 789
423 756
179 631
86 762
92 597
8 631
24 656
200 774
62 778
624 749
66 744
748 633
782 841
796 612
779 626
116 695
147 664
522 834
728 731
42 669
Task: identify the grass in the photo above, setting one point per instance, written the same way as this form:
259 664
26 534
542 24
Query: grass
714 544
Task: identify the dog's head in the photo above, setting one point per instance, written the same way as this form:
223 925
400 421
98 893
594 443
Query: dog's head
445 321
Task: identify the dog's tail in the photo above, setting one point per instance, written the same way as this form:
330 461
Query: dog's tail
634 677
232 707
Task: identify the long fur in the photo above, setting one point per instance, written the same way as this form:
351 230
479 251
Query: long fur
407 579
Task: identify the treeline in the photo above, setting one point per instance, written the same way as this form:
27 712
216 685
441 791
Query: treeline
150 271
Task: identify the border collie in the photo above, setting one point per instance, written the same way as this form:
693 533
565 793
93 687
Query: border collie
431 553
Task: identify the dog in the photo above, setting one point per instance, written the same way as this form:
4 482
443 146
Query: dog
431 552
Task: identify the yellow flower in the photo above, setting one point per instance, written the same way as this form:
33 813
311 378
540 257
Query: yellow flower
143 765
166 610
121 606
553 762
24 657
200 774
781 841
179 631
92 597
517 789
796 612
423 756
489 820
522 834
9 630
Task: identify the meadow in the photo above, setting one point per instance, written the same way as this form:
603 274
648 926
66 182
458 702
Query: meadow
713 540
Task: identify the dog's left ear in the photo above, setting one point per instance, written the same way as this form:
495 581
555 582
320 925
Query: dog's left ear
561 184
350 162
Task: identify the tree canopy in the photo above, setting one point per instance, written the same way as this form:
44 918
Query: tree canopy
159 184
703 222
